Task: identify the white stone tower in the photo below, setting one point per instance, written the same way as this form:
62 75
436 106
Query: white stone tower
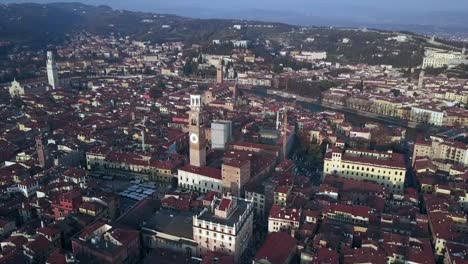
52 70
421 79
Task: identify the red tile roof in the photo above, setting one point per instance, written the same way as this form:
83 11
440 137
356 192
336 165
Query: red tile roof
204 171
209 197
278 212
256 146
3 223
28 182
396 161
224 205
238 163
74 173
218 258
326 255
355 210
48 231
277 248
87 231
39 245
125 236
282 189
57 258
181 202
93 207
18 241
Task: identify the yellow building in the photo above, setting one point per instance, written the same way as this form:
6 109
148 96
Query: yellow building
385 168
281 195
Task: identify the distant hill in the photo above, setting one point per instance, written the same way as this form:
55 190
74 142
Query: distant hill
40 24
395 14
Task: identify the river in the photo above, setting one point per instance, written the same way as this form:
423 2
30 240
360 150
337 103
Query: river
355 119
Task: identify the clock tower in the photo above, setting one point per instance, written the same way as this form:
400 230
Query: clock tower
197 132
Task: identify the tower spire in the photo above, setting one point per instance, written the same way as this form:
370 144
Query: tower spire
285 133
220 72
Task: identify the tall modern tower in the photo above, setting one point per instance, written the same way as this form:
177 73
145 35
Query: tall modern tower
52 70
197 132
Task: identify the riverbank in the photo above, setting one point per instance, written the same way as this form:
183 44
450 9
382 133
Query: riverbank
357 117
341 108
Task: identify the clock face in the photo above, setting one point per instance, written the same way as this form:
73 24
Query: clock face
194 138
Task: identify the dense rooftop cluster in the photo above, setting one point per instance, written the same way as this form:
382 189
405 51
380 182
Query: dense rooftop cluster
174 152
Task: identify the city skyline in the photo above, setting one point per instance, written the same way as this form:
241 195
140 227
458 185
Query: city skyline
132 137
452 13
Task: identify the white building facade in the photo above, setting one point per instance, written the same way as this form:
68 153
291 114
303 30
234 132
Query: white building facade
437 58
430 116
200 179
384 168
225 227
221 132
15 89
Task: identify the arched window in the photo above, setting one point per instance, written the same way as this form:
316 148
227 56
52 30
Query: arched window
188 251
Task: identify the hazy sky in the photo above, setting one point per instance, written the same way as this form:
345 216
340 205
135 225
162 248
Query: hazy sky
291 5
303 11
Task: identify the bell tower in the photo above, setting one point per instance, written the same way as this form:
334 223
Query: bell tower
197 132
220 72
41 152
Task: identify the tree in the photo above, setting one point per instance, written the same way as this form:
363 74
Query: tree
435 71
277 68
156 90
379 136
16 101
188 69
396 92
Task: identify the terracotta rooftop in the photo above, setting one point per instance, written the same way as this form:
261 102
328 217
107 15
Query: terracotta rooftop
277 248
204 171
